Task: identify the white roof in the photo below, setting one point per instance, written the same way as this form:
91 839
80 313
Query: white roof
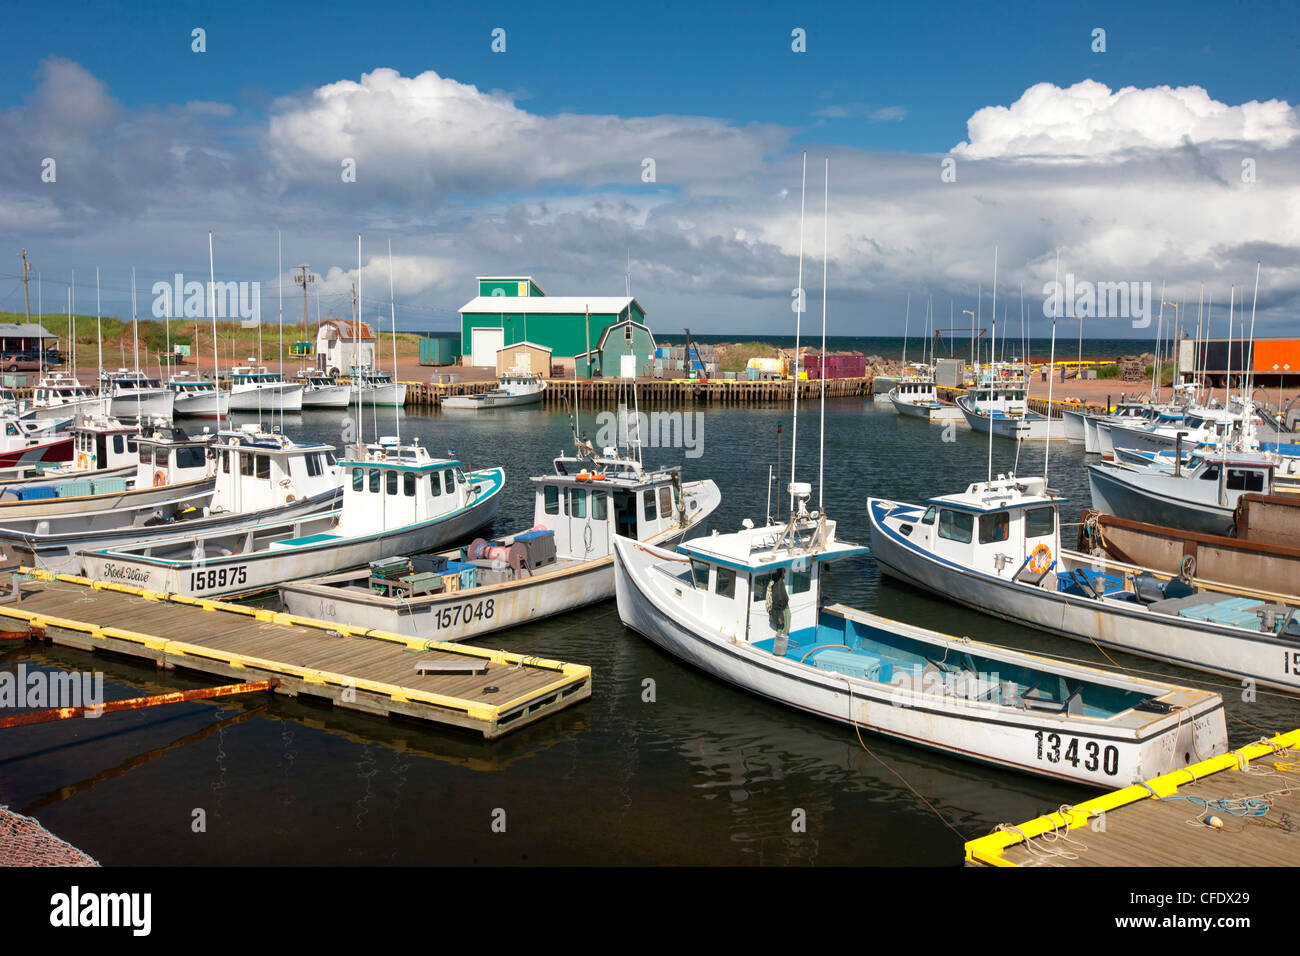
550 304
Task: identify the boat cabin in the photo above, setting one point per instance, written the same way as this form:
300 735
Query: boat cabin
1234 474
254 375
589 500
104 443
183 384
396 485
257 469
1008 527
168 455
60 388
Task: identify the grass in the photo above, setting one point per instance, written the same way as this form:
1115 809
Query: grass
737 357
235 341
1166 373
1109 371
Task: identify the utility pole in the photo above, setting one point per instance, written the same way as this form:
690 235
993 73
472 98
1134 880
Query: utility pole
27 299
303 279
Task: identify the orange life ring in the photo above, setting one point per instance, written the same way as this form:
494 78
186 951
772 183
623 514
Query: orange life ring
597 476
582 476
83 461
1041 559
159 479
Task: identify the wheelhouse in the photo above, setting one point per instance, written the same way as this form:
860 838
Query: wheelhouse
168 456
105 443
400 484
257 470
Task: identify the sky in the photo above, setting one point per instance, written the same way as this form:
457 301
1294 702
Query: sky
661 146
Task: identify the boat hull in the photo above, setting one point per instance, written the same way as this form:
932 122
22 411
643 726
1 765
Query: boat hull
330 396
267 397
1124 499
204 405
56 450
145 403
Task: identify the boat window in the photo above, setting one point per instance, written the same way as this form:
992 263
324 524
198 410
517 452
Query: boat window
408 484
956 525
1210 474
330 459
724 584
665 501
435 484
263 466
1245 479
390 481
245 463
374 481
650 506
225 461
801 581
551 500
190 456
761 584
313 466
1039 522
160 457
449 482
599 506
146 454
928 517
131 445
358 479
700 572
577 503
994 527
117 444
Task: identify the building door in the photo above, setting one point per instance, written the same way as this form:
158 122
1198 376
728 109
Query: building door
484 344
627 366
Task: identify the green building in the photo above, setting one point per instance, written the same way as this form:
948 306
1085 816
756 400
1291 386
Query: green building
626 350
510 309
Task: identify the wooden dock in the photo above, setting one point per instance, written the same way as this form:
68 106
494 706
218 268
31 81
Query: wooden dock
608 392
356 668
1252 794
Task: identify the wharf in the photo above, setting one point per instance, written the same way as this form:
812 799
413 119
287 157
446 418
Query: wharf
356 668
607 392
1254 792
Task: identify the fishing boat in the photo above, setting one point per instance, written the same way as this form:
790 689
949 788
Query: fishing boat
707 605
27 441
259 476
197 398
320 390
62 395
998 402
996 547
136 396
374 387
172 475
254 389
562 562
102 447
516 388
919 398
1200 496
389 509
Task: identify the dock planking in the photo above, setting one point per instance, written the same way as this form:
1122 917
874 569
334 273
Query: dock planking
1155 824
488 692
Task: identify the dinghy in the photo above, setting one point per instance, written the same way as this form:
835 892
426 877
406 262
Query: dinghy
563 562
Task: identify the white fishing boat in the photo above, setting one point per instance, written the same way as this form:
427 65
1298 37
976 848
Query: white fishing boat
1202 496
999 402
136 396
102 447
707 604
172 473
61 395
563 562
372 387
320 390
996 547
197 397
517 388
389 509
254 389
919 398
260 476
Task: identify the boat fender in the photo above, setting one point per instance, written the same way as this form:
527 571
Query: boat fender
1040 561
159 479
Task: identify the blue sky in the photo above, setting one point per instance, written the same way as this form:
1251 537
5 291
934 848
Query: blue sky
886 92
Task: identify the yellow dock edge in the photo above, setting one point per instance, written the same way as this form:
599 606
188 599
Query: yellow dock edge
485 712
988 850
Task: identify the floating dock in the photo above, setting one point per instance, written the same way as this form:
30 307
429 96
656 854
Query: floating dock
1238 809
484 691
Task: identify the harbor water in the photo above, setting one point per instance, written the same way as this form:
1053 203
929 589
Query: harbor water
664 765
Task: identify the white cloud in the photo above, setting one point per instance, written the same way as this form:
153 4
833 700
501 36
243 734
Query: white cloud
1088 120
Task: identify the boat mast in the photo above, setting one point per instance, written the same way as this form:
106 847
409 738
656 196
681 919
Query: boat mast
821 439
1047 451
392 308
993 344
216 353
798 315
